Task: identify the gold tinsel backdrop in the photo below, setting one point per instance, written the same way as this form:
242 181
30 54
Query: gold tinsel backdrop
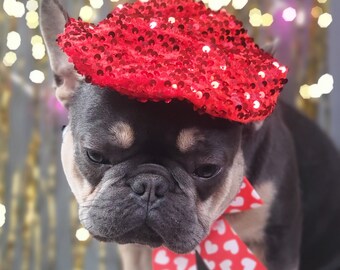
39 227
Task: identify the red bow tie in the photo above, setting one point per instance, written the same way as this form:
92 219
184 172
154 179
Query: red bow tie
222 249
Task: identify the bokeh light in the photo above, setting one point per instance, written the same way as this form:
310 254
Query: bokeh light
37 39
13 40
239 4
324 86
316 11
96 3
14 8
86 13
215 4
267 19
255 11
32 5
289 14
304 91
322 1
325 20
2 215
255 19
32 19
82 234
301 18
38 51
326 83
9 59
2 209
37 76
2 220
315 91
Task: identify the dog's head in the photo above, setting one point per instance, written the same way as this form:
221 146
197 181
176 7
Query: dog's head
148 173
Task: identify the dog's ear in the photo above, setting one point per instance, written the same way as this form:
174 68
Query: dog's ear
52 22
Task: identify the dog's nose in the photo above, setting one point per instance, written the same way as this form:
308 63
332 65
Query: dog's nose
150 187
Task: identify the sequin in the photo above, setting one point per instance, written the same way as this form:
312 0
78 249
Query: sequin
256 104
247 95
67 44
215 84
171 20
153 25
135 30
206 49
276 64
262 74
177 49
199 94
283 69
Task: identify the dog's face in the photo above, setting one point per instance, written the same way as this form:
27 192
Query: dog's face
148 173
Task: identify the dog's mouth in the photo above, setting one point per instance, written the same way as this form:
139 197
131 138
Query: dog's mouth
144 235
133 228
154 234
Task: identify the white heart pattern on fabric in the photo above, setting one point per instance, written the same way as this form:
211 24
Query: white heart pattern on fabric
233 211
255 195
255 205
237 202
220 227
162 258
211 264
210 247
226 265
248 264
231 246
181 263
222 249
243 185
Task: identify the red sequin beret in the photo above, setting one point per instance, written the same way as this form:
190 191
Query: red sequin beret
177 49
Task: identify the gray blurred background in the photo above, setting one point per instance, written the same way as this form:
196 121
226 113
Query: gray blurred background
40 229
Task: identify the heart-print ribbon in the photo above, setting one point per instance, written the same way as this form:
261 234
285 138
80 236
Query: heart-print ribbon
222 249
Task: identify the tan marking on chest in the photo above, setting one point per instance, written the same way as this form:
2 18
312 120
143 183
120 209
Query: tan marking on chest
122 135
250 225
187 138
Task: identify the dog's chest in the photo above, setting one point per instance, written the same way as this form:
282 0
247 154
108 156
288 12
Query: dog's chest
250 225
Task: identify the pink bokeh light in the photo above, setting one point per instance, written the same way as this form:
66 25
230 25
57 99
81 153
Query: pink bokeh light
289 14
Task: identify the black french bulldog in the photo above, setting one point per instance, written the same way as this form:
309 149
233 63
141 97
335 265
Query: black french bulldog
154 174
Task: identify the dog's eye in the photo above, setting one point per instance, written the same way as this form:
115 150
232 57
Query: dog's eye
207 170
96 157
